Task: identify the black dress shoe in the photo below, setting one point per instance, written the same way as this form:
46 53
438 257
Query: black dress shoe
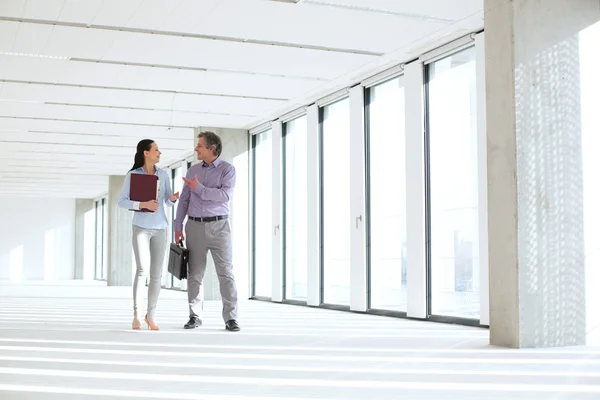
194 322
232 325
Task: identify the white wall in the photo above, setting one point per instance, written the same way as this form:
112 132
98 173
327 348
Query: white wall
37 238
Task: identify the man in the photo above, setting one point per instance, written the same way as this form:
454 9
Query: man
205 200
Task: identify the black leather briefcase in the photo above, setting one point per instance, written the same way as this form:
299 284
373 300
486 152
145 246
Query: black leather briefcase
178 260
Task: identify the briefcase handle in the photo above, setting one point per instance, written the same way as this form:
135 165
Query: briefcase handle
180 244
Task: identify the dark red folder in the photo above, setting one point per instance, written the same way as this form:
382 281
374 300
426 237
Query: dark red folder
143 188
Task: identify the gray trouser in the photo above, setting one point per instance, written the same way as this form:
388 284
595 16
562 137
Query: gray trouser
216 237
149 246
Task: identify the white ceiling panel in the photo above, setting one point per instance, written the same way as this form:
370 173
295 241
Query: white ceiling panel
80 10
93 170
120 116
231 56
43 9
65 149
102 161
46 184
138 13
224 121
8 34
80 73
85 168
50 111
12 8
152 13
111 130
234 106
30 39
329 27
135 99
451 10
79 42
116 12
155 69
88 140
51 177
79 95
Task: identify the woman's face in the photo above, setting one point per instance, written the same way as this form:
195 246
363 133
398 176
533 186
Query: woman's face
153 155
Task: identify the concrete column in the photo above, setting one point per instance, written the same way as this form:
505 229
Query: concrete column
84 238
536 249
119 230
236 150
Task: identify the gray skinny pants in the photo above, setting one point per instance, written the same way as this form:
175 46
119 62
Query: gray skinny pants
216 237
149 247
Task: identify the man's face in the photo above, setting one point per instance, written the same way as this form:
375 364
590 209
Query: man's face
204 153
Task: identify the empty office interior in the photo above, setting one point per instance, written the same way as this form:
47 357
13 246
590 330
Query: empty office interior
415 212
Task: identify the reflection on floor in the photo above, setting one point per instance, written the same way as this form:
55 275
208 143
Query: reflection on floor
72 341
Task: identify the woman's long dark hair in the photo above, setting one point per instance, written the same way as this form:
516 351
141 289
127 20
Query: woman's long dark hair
138 160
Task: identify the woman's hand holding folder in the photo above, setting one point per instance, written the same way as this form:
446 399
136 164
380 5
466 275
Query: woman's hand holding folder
151 205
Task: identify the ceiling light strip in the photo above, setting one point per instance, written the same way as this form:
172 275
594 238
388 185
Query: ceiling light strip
105 135
97 177
10 53
135 64
80 144
74 85
193 36
27 155
147 109
97 122
38 161
197 69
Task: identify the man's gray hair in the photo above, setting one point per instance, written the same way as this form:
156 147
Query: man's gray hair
212 139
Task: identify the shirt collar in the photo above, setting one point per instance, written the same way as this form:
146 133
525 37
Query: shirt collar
141 170
215 163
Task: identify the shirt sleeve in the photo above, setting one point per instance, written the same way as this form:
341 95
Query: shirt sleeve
124 201
182 207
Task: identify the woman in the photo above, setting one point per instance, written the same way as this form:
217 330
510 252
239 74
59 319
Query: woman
149 229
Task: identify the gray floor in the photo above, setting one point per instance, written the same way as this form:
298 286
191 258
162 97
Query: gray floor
72 341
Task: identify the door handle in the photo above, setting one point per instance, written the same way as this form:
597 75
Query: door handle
359 218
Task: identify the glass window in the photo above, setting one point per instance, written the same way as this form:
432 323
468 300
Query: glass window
104 239
263 226
98 241
335 183
295 186
89 244
387 195
452 188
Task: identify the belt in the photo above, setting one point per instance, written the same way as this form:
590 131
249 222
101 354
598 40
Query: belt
208 219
